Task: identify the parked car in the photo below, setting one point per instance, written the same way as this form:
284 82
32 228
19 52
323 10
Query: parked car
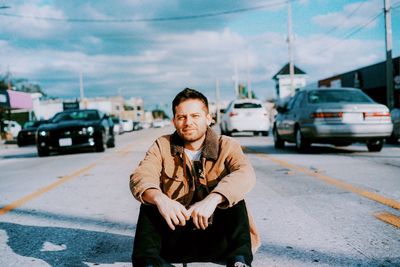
127 125
245 115
118 127
27 136
161 123
137 126
395 136
75 129
339 116
12 127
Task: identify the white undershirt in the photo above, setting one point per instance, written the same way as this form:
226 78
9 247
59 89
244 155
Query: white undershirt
193 155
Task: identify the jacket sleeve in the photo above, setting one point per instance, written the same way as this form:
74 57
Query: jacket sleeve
147 174
241 177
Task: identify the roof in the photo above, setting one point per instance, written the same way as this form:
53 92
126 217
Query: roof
285 71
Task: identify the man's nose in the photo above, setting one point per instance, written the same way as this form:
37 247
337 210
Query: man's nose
189 120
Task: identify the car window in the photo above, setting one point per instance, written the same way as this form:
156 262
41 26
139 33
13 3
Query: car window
338 96
229 106
247 105
86 115
292 101
29 124
298 100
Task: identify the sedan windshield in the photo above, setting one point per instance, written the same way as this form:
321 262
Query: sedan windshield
86 115
338 96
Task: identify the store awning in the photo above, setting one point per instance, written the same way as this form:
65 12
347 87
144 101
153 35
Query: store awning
17 100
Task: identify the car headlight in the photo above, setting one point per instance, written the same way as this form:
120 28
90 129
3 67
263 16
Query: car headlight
87 130
43 133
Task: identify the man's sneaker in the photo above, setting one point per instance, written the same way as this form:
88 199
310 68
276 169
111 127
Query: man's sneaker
237 261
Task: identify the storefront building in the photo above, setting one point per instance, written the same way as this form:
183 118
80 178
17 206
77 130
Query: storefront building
370 79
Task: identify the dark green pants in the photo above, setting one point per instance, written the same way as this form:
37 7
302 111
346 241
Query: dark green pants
226 238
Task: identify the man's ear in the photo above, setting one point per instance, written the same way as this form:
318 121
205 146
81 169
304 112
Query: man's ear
209 119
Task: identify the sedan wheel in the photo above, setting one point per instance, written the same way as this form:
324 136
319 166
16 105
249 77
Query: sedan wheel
43 152
301 144
278 141
375 145
100 143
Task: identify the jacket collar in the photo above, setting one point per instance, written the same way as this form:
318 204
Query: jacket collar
210 147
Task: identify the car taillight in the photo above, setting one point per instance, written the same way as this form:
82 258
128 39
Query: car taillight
326 115
232 114
376 114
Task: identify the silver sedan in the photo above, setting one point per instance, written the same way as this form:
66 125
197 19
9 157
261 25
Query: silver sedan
338 116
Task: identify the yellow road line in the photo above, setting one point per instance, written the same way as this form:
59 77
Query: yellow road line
27 198
343 185
43 190
126 150
388 218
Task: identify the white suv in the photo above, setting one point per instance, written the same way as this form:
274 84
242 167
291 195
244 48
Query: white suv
245 115
12 127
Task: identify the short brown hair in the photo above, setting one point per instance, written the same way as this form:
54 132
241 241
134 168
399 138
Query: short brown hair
186 94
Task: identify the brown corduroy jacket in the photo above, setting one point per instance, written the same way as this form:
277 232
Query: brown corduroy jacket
227 171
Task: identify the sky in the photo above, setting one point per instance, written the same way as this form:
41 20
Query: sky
153 49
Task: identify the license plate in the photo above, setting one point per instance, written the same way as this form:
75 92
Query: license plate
65 142
352 117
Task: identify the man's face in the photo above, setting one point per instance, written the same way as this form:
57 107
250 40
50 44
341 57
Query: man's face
191 120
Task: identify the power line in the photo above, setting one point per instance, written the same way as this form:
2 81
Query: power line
362 26
160 19
352 32
348 16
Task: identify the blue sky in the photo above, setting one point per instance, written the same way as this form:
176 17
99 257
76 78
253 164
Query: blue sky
123 46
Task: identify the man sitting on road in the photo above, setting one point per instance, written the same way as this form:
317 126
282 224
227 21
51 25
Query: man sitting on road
192 185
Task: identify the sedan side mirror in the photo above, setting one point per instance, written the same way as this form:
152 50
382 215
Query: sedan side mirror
282 109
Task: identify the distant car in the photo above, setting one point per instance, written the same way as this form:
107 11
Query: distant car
157 124
127 125
118 127
11 127
27 136
137 126
160 123
245 115
75 129
339 116
145 125
395 136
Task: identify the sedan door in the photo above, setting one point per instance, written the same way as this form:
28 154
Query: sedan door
288 119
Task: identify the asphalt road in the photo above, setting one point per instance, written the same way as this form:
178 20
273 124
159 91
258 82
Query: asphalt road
330 207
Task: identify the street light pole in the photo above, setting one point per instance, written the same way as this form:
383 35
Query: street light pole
389 63
290 48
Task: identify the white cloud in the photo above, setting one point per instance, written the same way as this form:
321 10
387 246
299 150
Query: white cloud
29 27
352 15
324 56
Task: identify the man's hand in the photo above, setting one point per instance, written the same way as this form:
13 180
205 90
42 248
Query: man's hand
173 212
201 211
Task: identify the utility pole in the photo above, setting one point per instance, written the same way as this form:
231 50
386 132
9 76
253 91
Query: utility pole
82 90
290 48
236 80
9 87
248 75
218 115
389 62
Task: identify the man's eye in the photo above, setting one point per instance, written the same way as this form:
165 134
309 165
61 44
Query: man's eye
195 115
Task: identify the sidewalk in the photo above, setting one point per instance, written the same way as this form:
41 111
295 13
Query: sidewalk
8 148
